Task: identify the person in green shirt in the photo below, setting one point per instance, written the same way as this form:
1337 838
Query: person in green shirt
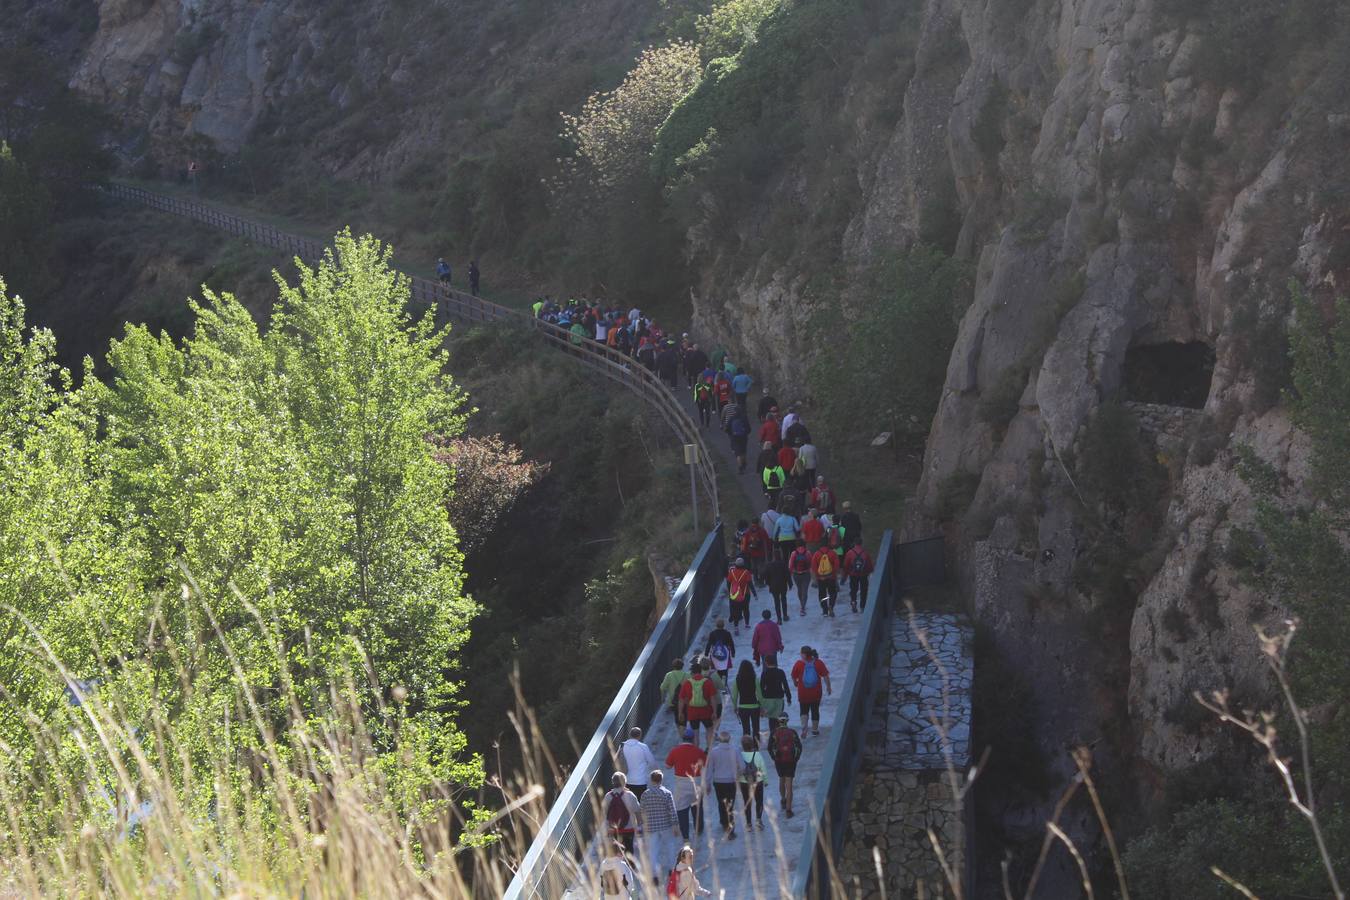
538 305
578 334
670 686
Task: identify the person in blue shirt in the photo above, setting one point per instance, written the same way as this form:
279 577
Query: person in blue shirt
443 271
786 530
740 386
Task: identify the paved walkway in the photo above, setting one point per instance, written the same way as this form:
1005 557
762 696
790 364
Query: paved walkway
760 864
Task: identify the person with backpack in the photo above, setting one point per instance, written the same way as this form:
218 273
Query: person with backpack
778 580
720 647
621 812
785 748
790 500
798 478
745 698
767 639
443 271
740 590
750 777
660 826
683 883
799 567
774 689
858 566
698 698
670 689
794 429
638 761
809 457
767 458
687 761
703 400
616 875
755 548
722 773
774 478
808 674
822 496
738 429
825 573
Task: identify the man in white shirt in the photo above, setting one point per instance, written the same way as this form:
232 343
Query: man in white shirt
638 761
788 421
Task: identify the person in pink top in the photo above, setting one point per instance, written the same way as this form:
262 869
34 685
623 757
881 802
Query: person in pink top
767 639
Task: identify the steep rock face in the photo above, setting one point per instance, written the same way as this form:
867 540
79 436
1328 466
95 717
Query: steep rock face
1120 192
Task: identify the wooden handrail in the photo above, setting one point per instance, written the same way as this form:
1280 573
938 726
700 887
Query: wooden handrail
598 357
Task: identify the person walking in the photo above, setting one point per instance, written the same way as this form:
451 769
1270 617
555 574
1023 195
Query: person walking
687 761
774 478
786 531
745 698
810 459
767 639
740 386
785 749
473 277
738 430
703 400
750 777
695 361
722 388
766 403
638 761
620 811
825 573
849 522
683 883
698 698
778 580
813 530
740 590
720 647
616 875
767 520
722 773
774 691
660 827
822 497
443 271
766 459
858 567
755 548
799 567
809 674
670 689
769 432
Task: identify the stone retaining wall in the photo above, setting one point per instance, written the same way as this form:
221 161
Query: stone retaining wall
919 731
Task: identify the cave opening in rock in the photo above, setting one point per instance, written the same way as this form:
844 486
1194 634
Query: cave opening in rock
1170 374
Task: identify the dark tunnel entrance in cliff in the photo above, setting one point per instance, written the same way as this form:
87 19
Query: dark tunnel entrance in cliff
1169 374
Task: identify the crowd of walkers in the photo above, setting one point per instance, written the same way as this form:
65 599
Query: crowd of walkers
804 538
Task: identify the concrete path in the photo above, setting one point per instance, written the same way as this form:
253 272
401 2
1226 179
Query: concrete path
759 864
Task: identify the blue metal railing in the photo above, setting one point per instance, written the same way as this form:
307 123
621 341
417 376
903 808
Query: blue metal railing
829 806
552 863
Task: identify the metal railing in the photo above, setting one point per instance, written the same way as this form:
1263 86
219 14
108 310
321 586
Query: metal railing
833 798
553 861
463 307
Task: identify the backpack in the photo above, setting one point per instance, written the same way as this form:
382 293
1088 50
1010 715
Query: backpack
773 478
824 500
702 392
784 746
617 815
721 655
698 696
739 427
749 771
738 587
859 564
810 676
673 885
753 542
825 568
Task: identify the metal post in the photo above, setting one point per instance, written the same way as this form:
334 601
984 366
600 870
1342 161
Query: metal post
691 460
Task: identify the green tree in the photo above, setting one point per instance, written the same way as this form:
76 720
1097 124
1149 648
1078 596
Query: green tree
892 365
